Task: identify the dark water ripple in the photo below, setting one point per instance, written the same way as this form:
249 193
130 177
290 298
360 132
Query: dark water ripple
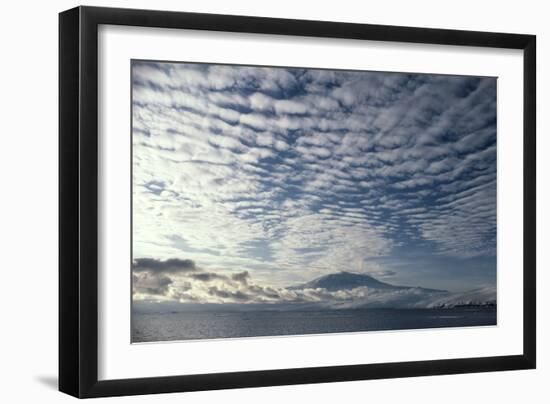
211 325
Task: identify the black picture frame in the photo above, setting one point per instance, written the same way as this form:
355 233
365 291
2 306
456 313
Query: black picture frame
78 201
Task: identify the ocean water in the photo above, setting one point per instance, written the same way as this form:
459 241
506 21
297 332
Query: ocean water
211 325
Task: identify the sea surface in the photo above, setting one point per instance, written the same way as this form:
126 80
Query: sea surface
211 325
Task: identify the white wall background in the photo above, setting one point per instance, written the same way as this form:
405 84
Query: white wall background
28 202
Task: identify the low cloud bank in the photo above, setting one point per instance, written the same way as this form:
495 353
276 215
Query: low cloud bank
182 282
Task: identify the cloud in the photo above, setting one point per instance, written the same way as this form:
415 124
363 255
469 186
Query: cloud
287 173
239 288
290 107
232 296
384 273
205 276
169 266
151 284
241 277
262 102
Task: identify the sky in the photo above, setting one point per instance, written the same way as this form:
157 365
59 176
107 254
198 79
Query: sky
247 180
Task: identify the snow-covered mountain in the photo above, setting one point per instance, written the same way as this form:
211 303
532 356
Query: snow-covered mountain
349 280
354 290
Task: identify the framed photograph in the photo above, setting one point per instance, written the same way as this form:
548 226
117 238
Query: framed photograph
251 201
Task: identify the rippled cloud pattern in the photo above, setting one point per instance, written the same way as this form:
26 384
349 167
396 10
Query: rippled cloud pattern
248 176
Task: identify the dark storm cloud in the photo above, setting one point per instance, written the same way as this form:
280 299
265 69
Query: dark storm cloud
169 266
206 276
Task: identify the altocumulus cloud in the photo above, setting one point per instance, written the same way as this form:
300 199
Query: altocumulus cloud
286 174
